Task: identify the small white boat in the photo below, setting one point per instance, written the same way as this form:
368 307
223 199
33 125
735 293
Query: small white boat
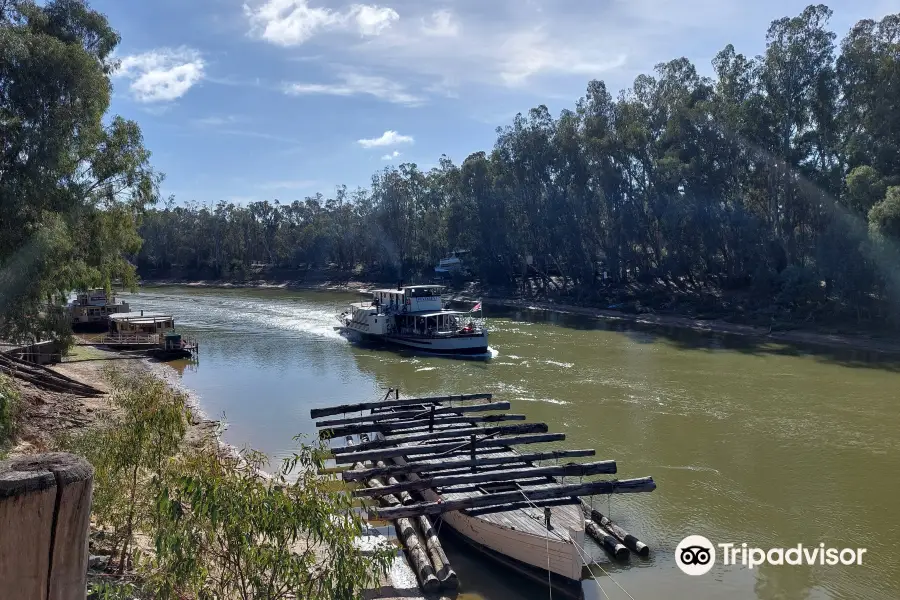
414 317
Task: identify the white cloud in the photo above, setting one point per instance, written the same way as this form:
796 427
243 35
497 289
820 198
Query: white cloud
293 22
373 20
441 23
388 138
355 84
391 156
216 121
162 75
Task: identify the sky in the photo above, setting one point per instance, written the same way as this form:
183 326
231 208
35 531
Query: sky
246 100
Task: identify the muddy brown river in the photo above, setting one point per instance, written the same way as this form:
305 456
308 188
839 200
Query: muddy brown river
766 445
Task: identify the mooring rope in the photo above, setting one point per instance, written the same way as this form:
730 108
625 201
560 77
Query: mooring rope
582 553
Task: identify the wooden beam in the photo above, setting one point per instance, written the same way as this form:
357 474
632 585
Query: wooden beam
342 409
604 467
383 453
414 426
401 415
429 467
489 510
624 486
443 434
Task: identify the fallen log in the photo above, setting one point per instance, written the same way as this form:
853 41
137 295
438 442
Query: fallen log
414 414
624 486
414 426
394 440
352 457
630 542
580 469
606 539
43 369
341 409
47 382
428 467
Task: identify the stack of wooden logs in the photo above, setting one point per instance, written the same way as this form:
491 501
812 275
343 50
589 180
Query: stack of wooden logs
397 461
417 536
43 377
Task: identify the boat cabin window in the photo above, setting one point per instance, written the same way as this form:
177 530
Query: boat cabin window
423 292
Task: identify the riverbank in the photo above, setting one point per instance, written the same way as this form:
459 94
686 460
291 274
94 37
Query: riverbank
805 336
46 415
44 418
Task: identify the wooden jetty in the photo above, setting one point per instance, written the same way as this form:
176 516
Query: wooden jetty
440 457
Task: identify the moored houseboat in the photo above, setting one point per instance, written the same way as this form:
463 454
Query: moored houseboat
91 309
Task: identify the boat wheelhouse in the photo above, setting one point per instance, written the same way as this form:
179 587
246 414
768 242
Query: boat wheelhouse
414 316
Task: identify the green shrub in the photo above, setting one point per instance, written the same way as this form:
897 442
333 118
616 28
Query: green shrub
226 532
9 412
220 527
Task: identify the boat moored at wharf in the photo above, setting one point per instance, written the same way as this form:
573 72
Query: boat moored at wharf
91 310
414 317
443 457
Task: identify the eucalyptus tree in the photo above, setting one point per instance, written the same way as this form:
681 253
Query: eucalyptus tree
72 182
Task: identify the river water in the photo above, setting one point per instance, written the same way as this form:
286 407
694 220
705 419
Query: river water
766 445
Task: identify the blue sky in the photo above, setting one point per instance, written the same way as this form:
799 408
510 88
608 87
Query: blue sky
244 100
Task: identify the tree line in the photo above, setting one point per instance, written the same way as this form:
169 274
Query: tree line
776 179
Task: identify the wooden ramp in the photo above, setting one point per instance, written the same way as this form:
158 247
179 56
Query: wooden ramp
442 458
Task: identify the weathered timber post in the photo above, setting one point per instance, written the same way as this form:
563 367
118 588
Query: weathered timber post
45 514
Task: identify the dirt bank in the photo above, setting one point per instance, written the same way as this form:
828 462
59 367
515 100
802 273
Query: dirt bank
46 415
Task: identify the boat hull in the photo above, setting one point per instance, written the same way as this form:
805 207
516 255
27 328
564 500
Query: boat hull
469 345
522 546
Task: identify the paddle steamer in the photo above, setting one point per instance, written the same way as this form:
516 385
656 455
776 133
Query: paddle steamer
414 317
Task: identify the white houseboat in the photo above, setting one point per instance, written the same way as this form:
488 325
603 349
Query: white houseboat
90 310
414 317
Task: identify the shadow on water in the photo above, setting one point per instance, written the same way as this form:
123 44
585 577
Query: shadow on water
688 339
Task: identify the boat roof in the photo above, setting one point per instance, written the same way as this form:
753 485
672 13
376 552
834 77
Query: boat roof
408 287
137 317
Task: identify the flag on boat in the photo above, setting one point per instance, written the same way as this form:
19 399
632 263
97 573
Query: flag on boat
477 307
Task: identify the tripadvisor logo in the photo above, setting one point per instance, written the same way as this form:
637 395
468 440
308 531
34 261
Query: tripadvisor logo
696 555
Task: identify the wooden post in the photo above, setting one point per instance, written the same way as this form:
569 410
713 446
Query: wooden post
397 394
431 420
472 454
45 514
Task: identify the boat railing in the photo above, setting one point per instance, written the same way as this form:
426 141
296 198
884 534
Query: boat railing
128 338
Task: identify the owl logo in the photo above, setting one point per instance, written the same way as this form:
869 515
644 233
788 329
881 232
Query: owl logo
695 555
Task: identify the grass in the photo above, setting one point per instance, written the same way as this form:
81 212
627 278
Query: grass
80 353
9 413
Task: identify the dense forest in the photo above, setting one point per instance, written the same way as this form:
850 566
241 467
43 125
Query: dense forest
777 182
